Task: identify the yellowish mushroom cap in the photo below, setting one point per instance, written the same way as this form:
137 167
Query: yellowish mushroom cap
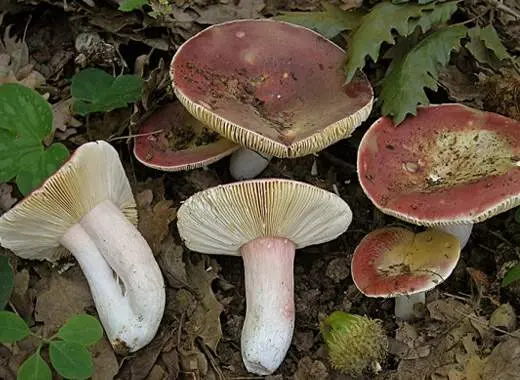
93 174
221 219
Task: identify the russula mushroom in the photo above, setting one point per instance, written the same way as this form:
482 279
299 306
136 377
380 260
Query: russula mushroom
88 208
173 140
273 87
264 221
396 262
448 167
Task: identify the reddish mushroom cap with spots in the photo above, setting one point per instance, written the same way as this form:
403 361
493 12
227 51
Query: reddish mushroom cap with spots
173 140
271 86
395 261
449 164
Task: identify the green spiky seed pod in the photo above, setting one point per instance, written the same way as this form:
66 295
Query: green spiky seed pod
354 342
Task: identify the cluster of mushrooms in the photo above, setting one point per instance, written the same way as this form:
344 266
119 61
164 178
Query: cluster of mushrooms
269 88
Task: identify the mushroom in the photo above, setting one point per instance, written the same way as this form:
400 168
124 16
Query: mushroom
88 208
448 167
264 221
396 262
173 140
273 87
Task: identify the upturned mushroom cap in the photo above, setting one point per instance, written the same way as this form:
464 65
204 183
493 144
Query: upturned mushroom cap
93 174
395 261
221 219
449 164
178 127
271 86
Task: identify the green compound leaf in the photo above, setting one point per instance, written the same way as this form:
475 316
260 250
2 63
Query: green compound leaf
511 276
403 88
34 368
83 329
329 22
6 281
132 5
25 121
71 360
12 327
96 91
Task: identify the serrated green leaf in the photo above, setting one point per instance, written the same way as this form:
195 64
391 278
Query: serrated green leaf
329 23
71 360
375 28
12 327
132 5
82 328
34 368
486 47
96 91
403 88
6 281
511 276
407 1
437 13
25 121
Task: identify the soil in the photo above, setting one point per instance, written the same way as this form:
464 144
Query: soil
460 334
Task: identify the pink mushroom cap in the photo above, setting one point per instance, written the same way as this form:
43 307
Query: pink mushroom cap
450 164
154 149
271 86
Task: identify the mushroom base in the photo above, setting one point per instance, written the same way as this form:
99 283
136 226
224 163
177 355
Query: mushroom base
269 323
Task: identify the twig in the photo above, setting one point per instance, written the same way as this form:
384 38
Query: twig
131 136
475 319
504 8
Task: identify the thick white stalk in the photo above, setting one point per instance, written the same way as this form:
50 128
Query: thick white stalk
269 323
246 164
124 278
404 309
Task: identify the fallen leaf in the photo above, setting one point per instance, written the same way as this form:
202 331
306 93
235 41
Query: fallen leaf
62 116
66 295
459 86
154 222
310 369
106 366
170 261
504 361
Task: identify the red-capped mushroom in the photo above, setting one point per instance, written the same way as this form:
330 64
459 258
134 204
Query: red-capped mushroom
449 167
270 86
396 262
173 140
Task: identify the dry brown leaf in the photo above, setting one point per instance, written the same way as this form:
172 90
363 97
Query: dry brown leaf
154 222
6 198
310 369
62 117
66 295
105 362
504 361
170 261
460 87
23 297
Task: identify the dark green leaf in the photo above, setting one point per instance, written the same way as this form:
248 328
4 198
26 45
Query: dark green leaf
131 5
6 281
511 276
486 47
433 15
96 91
403 88
34 368
25 121
328 23
71 360
83 329
12 327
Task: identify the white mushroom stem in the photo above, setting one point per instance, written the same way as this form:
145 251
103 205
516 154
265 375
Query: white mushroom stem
246 164
404 304
125 281
269 323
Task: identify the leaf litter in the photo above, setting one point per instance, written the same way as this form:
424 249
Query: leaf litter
467 336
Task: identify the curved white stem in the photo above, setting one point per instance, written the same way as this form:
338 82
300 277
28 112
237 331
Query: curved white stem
404 309
461 231
269 323
246 164
130 303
